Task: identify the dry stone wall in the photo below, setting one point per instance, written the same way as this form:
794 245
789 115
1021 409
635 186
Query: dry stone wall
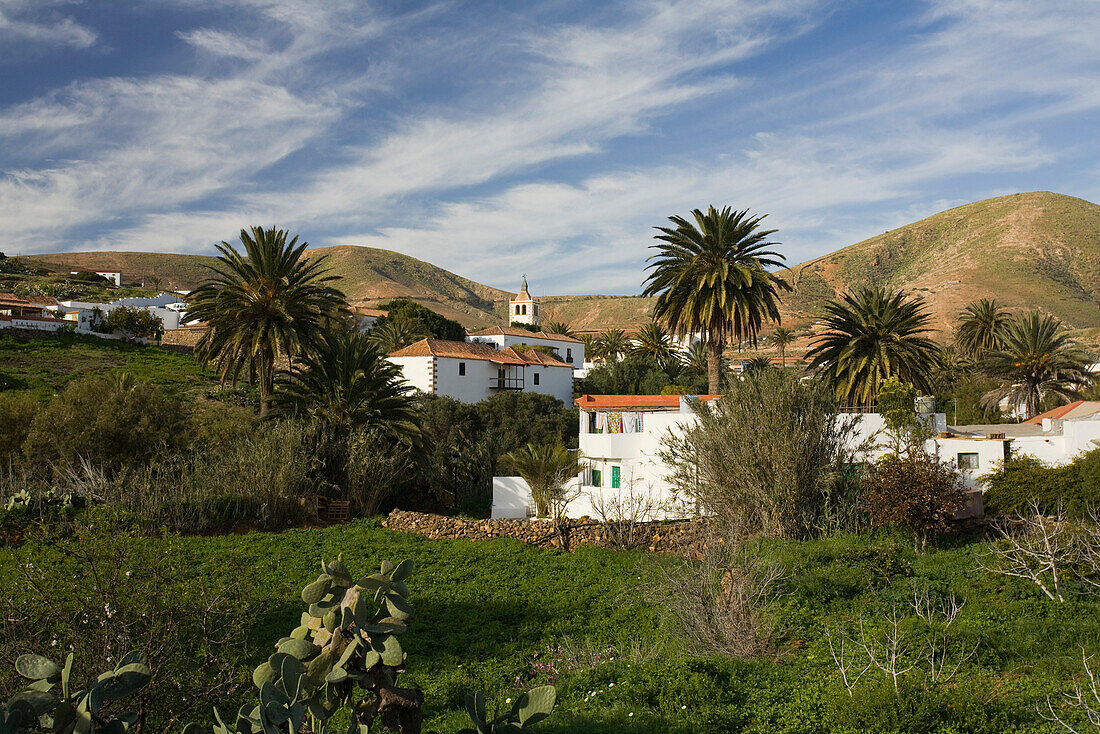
661 537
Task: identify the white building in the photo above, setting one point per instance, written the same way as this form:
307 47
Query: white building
621 438
475 371
565 348
166 306
523 309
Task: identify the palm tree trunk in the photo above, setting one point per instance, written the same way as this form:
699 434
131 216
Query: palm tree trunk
714 367
783 355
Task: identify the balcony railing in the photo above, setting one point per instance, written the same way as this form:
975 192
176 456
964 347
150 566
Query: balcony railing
506 383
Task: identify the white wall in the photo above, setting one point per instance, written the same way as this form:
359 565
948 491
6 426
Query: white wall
418 372
554 381
473 387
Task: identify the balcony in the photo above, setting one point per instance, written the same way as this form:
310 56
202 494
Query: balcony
506 383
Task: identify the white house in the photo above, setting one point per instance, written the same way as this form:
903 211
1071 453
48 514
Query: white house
565 348
523 309
474 371
167 306
621 438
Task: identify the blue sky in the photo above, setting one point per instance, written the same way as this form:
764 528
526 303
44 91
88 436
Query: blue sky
496 139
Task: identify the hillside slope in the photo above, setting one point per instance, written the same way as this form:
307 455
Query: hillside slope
1030 250
1035 249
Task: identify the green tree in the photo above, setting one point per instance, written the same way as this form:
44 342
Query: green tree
873 334
547 470
346 383
696 360
1037 360
392 335
132 323
266 304
905 430
559 327
418 319
611 345
981 327
653 340
711 277
782 337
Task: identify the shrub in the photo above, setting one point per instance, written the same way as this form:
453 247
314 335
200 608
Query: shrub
132 323
769 455
17 411
1021 481
109 420
420 320
917 492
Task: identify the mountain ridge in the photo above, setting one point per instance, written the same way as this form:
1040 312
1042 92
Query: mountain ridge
1028 249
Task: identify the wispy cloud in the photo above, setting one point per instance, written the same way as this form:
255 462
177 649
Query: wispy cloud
494 142
41 22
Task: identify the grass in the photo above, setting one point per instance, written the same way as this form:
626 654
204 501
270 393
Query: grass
44 365
485 609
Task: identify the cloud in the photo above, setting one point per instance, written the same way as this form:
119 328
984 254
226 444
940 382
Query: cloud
39 23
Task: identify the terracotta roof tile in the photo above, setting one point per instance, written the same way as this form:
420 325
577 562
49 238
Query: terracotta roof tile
1076 409
634 401
516 331
457 350
534 356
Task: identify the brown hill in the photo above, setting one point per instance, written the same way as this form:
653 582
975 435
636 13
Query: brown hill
1028 250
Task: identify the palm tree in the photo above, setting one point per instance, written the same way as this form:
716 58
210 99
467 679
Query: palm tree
696 359
981 327
591 347
391 335
612 344
346 383
1037 359
710 276
874 334
267 304
546 469
559 327
781 338
758 364
653 340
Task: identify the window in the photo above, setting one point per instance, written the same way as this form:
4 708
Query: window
615 477
967 461
517 310
569 356
596 478
461 369
592 422
536 378
524 307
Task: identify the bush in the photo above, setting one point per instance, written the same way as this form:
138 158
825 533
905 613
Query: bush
1019 482
108 420
421 320
916 492
17 412
132 323
768 456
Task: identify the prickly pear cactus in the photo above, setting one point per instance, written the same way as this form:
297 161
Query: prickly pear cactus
52 704
347 640
529 708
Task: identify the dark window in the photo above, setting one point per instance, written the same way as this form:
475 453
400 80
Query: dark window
517 310
592 422
967 461
569 356
524 307
536 378
596 478
461 369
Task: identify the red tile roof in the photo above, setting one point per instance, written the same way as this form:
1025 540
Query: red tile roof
1076 409
516 331
477 350
634 401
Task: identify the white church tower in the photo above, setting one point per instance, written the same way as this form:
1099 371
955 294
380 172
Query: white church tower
523 309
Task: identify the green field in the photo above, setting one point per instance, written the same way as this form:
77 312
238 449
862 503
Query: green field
488 611
44 365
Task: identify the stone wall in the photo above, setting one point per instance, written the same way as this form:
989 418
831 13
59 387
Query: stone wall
661 537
